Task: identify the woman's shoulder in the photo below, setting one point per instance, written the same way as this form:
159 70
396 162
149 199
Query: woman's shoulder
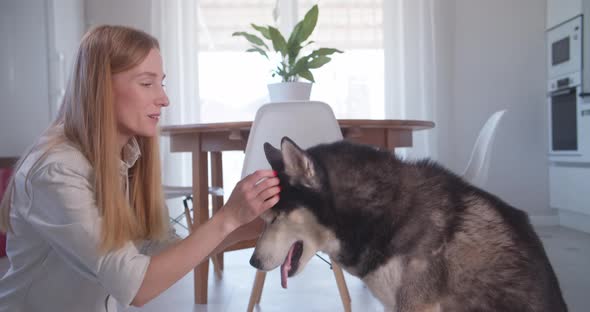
60 156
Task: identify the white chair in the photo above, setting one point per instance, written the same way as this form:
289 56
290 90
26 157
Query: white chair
186 193
478 166
308 124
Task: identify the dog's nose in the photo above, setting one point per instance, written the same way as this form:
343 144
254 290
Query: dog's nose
255 262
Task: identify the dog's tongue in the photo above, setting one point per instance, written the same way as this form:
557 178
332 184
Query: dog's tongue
286 266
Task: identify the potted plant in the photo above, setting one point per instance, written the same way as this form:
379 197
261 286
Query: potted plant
291 65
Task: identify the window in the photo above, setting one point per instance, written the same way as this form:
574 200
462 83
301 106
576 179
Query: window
231 84
356 27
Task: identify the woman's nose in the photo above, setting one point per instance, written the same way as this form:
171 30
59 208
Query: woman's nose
164 102
163 99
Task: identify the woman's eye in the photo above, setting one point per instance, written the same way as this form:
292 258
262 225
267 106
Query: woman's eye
146 84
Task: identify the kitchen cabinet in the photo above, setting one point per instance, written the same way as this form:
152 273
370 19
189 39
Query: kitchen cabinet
569 193
569 188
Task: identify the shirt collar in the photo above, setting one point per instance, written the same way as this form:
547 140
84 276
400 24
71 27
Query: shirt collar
131 154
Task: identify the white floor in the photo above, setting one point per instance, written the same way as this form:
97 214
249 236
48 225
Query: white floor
315 288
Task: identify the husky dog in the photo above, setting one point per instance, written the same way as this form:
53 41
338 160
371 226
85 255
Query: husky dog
420 237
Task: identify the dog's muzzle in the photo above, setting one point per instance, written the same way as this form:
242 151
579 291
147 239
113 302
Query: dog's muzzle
255 262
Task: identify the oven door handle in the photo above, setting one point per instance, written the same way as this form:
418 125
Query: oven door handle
561 92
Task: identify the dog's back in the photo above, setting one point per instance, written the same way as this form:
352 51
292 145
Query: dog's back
495 260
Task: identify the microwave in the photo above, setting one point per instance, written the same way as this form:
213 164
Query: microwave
564 46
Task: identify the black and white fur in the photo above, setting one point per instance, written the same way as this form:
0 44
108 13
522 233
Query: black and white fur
420 237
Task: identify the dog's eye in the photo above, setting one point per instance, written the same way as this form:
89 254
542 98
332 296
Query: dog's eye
273 220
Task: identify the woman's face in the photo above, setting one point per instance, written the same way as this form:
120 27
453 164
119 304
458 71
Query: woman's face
139 96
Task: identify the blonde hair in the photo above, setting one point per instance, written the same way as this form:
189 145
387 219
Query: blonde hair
87 117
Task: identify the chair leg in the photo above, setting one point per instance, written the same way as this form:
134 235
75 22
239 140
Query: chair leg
217 266
256 290
187 213
342 289
261 286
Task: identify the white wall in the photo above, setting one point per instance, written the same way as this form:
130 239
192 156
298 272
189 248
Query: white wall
24 86
34 34
32 73
559 11
499 62
445 59
66 28
132 13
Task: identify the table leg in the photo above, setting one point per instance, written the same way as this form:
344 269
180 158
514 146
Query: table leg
201 214
217 203
395 139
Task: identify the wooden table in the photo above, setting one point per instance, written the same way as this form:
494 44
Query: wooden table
214 138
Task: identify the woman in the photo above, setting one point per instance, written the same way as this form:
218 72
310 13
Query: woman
87 196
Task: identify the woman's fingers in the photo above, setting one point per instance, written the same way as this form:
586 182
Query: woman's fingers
269 203
269 192
266 184
254 178
254 194
260 182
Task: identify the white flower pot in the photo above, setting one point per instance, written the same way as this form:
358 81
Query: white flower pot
289 91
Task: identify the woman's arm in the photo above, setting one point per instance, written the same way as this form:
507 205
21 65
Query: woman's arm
248 200
246 232
173 263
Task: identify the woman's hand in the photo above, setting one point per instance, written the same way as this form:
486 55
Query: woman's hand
251 197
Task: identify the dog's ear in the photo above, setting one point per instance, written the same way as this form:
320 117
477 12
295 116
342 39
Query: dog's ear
299 167
274 157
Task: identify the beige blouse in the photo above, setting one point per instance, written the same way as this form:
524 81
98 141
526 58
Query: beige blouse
54 261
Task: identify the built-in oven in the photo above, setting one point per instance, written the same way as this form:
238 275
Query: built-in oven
569 120
564 46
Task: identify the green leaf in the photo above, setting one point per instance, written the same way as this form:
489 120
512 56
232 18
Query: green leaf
318 62
300 65
293 53
302 31
280 72
307 75
307 43
294 34
323 51
308 24
252 38
263 30
259 50
291 65
278 41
